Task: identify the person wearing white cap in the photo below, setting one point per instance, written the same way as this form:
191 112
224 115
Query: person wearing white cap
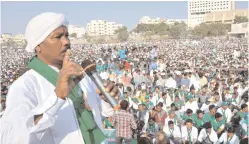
45 105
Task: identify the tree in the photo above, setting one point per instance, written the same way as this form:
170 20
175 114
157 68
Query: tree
87 37
122 34
161 29
213 29
240 19
100 40
73 35
178 30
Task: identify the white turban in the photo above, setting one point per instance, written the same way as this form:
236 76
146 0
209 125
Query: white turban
41 26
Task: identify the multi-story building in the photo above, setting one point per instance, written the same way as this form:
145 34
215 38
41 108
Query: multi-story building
78 30
226 17
102 27
198 8
148 20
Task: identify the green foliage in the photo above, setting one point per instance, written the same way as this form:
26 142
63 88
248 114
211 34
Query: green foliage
178 30
240 19
122 34
213 29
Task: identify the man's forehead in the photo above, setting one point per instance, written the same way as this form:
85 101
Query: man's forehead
61 29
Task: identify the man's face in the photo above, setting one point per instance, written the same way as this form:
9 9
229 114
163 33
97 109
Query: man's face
159 108
171 126
200 115
164 96
189 125
140 108
230 134
53 49
191 100
176 99
219 119
172 115
213 110
189 114
209 130
204 90
217 97
246 109
173 108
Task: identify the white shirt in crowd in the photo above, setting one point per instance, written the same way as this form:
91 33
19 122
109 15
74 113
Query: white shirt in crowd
175 132
169 119
195 82
104 75
203 136
223 138
193 106
205 107
170 83
167 104
155 99
193 133
32 95
228 113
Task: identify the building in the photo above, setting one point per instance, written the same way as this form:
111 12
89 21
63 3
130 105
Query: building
226 17
78 30
5 37
197 9
172 21
19 39
148 20
101 28
239 30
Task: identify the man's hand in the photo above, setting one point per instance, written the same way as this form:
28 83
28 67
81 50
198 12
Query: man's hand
111 89
69 76
87 106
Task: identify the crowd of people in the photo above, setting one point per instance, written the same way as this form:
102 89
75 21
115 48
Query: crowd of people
178 91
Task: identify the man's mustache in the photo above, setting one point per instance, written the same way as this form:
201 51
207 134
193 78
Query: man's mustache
64 50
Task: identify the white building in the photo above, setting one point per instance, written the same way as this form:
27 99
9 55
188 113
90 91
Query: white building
79 30
148 20
239 30
198 8
102 27
172 21
19 39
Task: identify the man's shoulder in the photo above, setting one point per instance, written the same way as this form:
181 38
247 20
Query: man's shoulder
26 79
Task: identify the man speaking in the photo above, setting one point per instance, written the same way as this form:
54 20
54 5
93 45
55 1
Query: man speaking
45 105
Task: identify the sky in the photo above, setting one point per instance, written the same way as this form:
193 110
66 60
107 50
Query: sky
15 15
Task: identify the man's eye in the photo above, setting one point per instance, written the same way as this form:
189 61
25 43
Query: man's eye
58 37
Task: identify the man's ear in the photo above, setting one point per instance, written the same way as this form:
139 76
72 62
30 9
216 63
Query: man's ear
38 49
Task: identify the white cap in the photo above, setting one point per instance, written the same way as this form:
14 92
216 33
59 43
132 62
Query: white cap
41 26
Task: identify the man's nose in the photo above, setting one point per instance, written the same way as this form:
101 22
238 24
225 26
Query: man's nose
66 42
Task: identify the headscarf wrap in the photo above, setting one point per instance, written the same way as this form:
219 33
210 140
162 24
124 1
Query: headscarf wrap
41 26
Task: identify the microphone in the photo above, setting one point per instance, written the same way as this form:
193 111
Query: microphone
92 73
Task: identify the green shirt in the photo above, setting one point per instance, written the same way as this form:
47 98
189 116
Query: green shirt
208 117
179 104
216 125
241 114
148 105
198 122
185 117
